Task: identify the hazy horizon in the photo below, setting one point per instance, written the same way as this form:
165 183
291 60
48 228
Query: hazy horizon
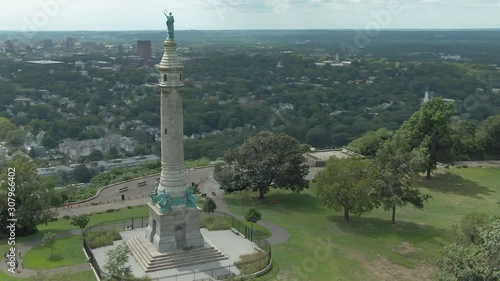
114 15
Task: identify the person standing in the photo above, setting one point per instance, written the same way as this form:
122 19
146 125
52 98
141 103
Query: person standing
4 255
22 263
16 264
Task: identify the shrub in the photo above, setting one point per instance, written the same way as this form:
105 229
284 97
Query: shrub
251 263
102 238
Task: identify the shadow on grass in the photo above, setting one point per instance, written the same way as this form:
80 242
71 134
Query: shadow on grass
378 227
299 202
455 184
55 258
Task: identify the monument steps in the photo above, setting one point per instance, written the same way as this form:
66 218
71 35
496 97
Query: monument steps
155 261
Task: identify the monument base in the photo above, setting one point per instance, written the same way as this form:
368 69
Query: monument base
177 229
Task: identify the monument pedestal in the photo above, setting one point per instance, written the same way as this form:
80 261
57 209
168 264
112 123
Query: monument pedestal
176 229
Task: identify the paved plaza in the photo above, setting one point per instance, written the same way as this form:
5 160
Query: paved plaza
231 244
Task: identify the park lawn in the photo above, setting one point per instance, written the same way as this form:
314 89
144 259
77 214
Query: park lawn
68 251
74 276
259 231
65 224
369 247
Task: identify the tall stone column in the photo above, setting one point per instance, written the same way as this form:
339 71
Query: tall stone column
174 218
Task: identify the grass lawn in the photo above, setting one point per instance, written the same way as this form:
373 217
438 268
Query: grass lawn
77 276
96 218
216 222
68 251
324 247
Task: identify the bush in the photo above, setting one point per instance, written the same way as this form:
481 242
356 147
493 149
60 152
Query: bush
102 238
251 263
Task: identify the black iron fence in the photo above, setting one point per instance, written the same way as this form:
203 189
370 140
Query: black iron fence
260 264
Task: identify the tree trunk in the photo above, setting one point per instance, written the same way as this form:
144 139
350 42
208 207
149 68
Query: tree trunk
261 193
346 214
428 176
393 215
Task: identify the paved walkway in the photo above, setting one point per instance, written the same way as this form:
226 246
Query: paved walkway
206 184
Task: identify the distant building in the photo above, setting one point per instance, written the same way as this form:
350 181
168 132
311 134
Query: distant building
47 44
318 158
451 57
52 171
99 166
75 149
131 162
144 49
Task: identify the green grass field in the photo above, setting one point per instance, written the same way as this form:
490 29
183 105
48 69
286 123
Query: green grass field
324 247
68 251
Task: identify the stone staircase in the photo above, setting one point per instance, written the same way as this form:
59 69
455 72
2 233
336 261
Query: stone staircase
151 260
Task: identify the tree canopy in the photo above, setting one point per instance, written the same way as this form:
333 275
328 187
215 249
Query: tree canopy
32 194
431 126
348 185
473 259
264 160
209 206
398 166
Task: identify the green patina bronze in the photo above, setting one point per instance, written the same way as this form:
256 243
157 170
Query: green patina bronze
160 198
191 200
170 25
177 201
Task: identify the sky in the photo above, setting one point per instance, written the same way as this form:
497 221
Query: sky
45 15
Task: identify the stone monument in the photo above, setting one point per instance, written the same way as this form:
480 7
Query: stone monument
173 218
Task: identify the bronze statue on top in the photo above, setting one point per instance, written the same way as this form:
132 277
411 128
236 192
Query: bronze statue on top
170 24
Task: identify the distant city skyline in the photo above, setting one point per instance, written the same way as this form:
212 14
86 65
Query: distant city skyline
54 15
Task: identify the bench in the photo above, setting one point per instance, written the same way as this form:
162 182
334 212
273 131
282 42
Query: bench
204 195
123 189
142 183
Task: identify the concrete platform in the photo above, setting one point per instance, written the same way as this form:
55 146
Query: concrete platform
227 242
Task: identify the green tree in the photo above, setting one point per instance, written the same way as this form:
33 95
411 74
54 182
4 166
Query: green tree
209 206
32 195
48 142
16 137
467 231
95 155
49 241
348 184
465 261
398 166
253 216
464 139
431 126
488 136
80 221
369 143
82 174
5 127
261 161
116 267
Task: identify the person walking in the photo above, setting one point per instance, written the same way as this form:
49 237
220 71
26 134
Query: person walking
16 264
19 253
4 255
22 263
